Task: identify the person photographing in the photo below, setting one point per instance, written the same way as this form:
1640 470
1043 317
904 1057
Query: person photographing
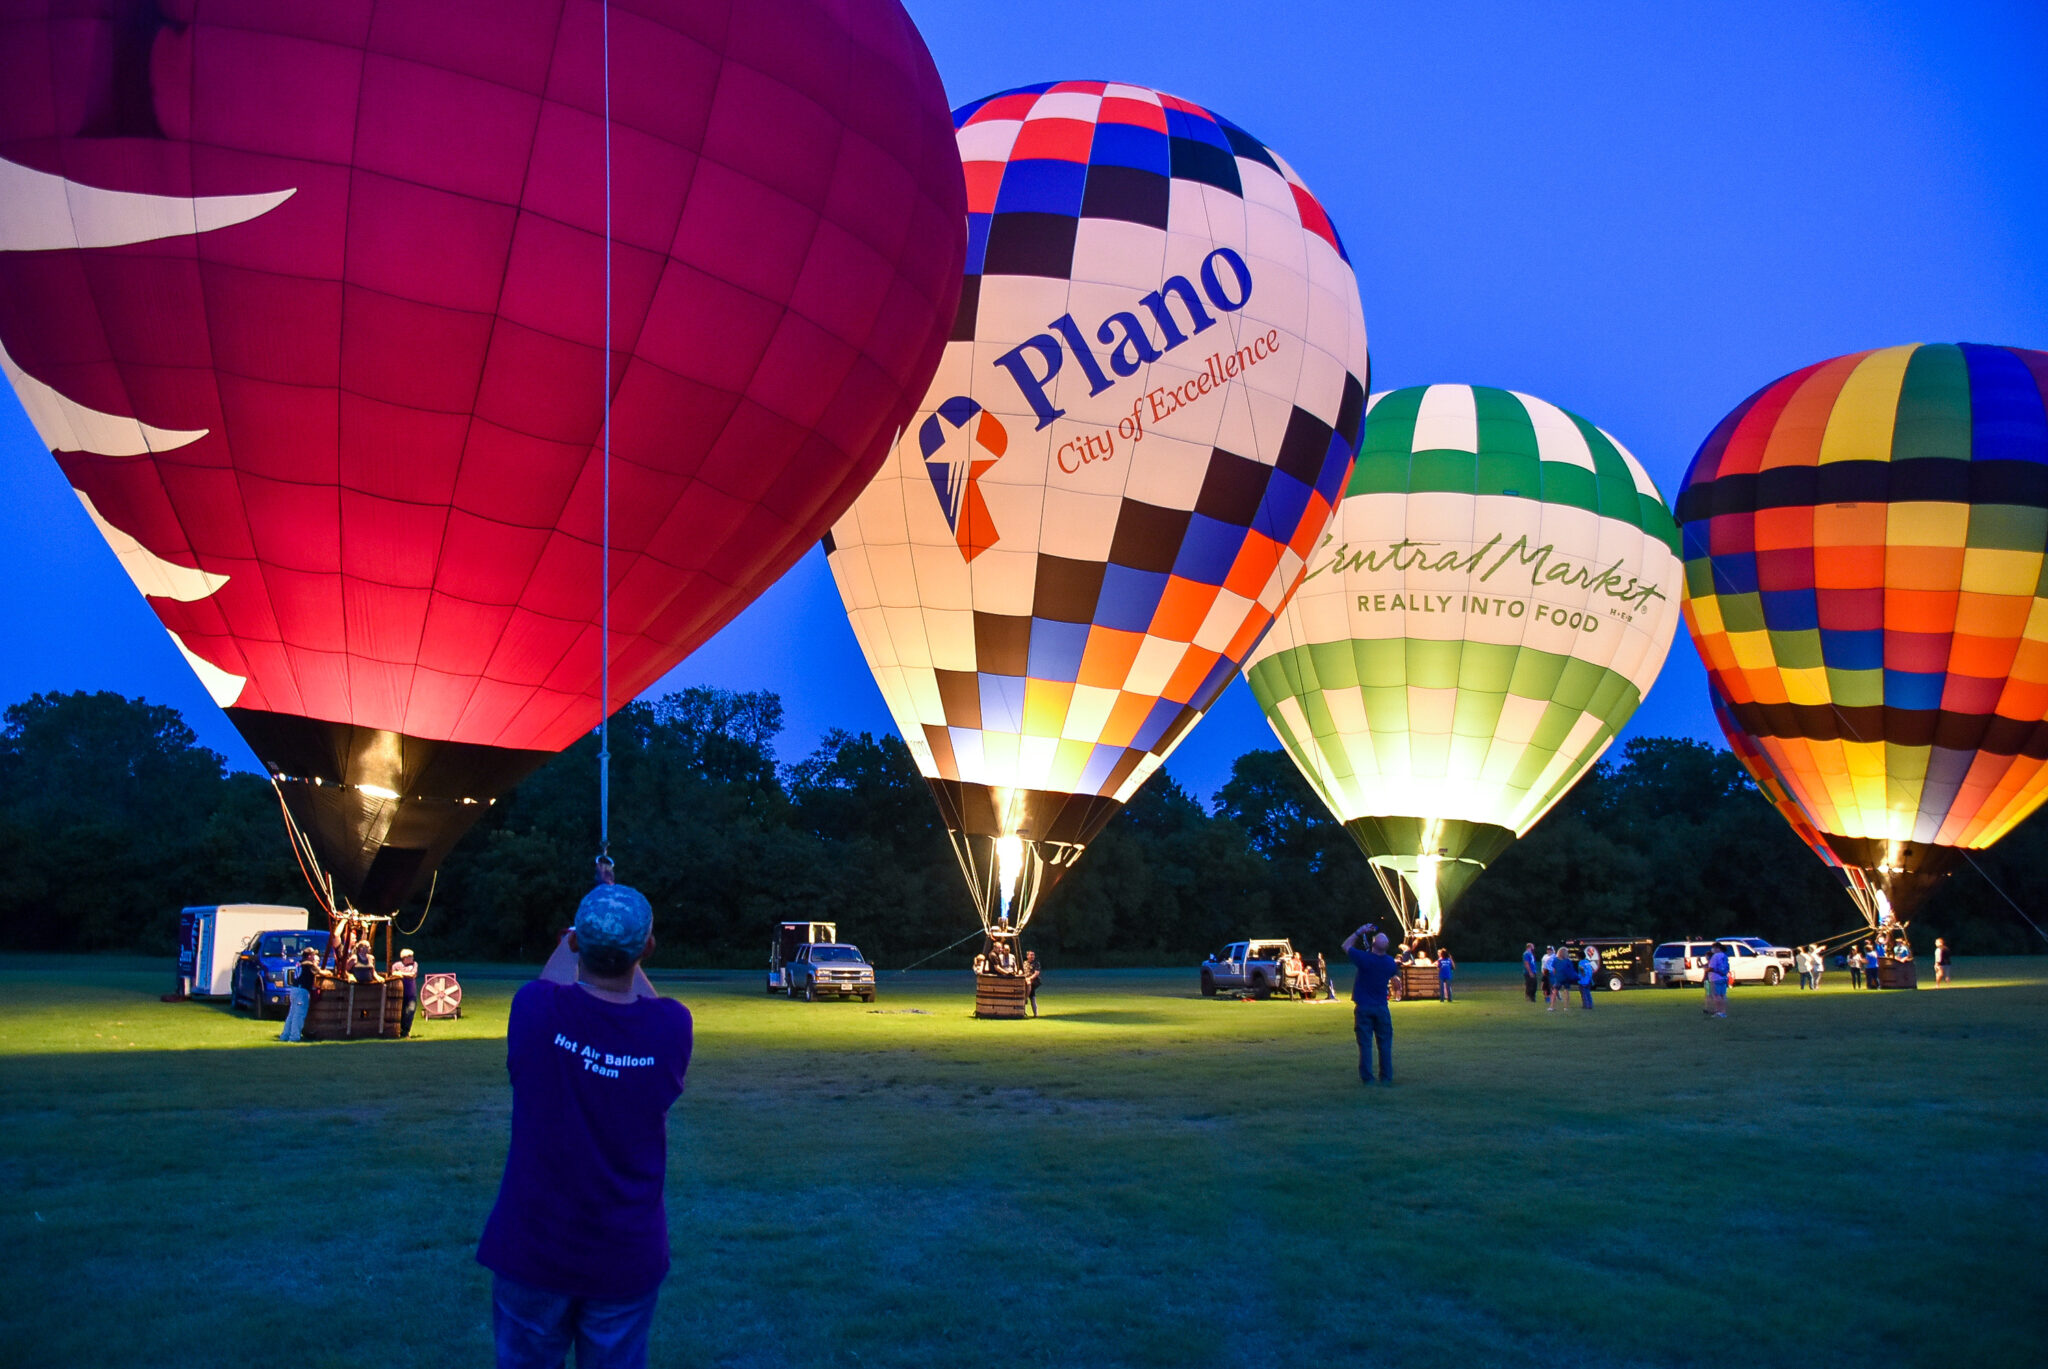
578 1238
1371 1020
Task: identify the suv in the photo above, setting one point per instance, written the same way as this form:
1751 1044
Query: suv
1678 963
1252 967
830 969
262 970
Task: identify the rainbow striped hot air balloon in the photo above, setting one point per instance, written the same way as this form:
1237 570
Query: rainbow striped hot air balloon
1864 544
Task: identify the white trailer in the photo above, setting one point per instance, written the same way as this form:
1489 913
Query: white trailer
210 939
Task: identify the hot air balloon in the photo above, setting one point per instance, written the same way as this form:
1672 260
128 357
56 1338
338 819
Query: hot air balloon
1148 405
330 313
1492 602
1864 544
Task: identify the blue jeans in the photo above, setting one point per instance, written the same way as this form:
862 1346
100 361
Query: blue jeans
1374 1023
1585 994
534 1328
295 1023
1443 989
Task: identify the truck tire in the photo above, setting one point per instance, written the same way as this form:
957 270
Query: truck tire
810 991
256 1001
1262 988
1614 983
1208 985
868 997
1773 975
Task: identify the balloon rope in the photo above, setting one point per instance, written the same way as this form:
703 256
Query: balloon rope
604 629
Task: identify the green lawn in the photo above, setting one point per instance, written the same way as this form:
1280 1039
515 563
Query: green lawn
1141 1177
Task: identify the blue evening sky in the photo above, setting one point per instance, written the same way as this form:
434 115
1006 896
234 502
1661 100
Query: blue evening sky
1641 212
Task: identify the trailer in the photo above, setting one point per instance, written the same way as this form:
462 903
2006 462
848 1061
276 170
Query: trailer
211 938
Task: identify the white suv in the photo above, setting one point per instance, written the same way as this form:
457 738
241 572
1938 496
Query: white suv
1685 962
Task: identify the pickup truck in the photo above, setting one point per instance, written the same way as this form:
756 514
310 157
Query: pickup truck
829 969
1251 967
262 969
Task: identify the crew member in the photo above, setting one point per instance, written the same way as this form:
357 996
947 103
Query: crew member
578 1239
407 971
1371 1020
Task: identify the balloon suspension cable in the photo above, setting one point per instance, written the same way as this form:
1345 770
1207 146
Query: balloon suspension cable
604 616
317 879
2004 895
415 930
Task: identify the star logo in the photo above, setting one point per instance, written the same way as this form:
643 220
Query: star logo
956 463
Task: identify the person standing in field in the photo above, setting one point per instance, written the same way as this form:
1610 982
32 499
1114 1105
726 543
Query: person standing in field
1803 962
1549 978
1371 1021
1717 982
1819 960
1589 966
1445 968
1529 970
406 971
578 1239
1031 974
1323 973
305 975
1941 958
1854 959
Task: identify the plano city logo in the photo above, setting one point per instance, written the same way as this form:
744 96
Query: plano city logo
955 460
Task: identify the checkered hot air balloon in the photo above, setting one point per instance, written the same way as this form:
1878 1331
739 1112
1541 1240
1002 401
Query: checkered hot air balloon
1863 547
1136 436
310 299
1495 597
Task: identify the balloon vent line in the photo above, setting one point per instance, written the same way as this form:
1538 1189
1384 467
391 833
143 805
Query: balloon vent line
604 630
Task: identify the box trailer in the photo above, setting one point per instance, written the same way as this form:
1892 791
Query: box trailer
210 939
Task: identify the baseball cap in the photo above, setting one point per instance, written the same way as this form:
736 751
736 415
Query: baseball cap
614 916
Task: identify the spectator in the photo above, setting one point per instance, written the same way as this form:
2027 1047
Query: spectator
1031 980
1855 963
1589 966
1371 1021
407 971
1717 982
1873 967
578 1239
1803 963
1820 963
1323 974
1445 968
304 979
1547 976
1941 958
1529 972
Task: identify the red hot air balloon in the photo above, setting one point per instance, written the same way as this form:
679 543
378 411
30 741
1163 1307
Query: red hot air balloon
310 301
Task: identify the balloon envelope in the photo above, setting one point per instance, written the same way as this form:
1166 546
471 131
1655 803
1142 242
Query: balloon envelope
1136 435
310 301
1492 602
1864 547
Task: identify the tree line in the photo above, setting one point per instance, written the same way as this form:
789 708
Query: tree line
113 817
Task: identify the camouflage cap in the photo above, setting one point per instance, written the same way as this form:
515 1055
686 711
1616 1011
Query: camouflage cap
614 916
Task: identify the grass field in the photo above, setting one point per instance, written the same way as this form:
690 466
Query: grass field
1141 1177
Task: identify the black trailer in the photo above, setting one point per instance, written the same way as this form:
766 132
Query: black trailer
1625 961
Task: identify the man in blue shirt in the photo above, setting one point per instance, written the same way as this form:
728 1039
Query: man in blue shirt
1370 1018
1529 971
578 1240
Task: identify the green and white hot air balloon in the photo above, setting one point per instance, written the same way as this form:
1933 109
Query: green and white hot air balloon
1496 593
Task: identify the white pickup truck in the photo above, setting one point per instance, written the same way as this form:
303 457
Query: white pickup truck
1251 967
1678 963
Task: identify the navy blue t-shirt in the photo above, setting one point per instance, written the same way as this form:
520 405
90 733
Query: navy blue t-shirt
579 1211
1374 970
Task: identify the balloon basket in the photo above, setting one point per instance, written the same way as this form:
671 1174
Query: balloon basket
1414 981
1899 974
345 1010
1002 995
